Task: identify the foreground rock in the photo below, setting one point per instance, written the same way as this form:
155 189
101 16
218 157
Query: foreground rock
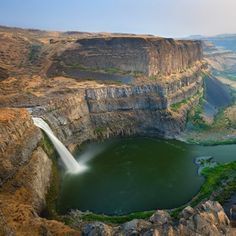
23 192
25 173
208 218
18 138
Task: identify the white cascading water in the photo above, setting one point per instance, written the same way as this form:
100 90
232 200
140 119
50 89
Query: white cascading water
70 163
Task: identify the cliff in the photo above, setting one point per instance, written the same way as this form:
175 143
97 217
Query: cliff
18 138
147 55
22 198
166 83
102 111
25 175
206 219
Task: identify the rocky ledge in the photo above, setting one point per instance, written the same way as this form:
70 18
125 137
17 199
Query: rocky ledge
146 55
105 111
25 175
23 193
208 218
78 111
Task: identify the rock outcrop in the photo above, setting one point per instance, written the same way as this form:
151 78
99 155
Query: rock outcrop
208 218
156 103
117 110
147 55
18 138
25 174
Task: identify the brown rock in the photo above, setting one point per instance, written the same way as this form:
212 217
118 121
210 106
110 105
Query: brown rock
149 55
160 217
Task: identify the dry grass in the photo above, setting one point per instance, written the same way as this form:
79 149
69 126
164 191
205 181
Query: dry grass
10 114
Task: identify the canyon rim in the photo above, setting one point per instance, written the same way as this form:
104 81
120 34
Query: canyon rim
109 117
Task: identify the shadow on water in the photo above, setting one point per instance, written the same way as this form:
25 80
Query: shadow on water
136 174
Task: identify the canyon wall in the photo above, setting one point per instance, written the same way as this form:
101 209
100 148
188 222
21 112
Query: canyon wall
19 137
79 111
117 110
147 55
22 198
25 172
139 108
206 219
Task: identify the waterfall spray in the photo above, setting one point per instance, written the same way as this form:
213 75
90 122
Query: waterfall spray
68 160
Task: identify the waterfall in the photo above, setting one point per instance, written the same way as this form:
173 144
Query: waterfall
68 160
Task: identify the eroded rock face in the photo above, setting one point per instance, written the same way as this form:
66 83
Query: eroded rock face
148 55
78 115
18 138
22 196
26 178
98 229
69 118
111 110
208 218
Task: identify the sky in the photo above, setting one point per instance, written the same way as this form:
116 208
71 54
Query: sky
169 18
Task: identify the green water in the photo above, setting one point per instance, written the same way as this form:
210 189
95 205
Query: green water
136 174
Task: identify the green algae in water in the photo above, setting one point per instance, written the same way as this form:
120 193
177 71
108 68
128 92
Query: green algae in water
132 174
137 174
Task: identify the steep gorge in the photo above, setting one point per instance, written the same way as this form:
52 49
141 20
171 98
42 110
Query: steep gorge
146 55
113 110
156 103
164 72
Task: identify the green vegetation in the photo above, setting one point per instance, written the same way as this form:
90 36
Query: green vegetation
116 82
113 70
108 70
153 77
218 132
232 77
99 130
88 216
196 118
221 120
51 197
214 142
81 67
136 74
221 180
34 53
176 106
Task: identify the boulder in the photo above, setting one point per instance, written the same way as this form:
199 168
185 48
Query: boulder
160 217
96 229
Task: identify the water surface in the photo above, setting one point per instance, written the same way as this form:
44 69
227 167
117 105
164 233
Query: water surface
136 174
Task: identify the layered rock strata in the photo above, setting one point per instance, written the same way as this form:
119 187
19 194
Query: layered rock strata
18 138
25 175
208 218
113 110
22 198
147 55
80 111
